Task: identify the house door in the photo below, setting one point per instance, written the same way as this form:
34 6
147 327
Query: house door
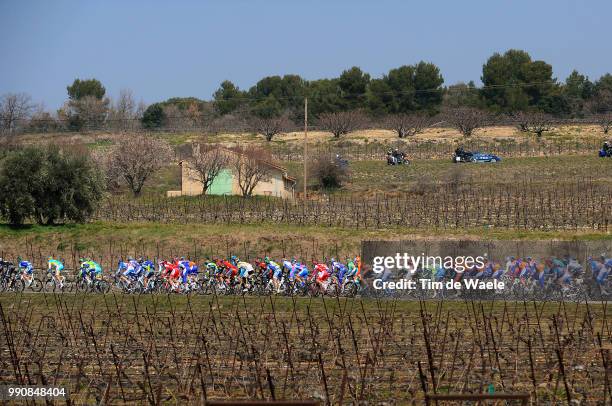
222 185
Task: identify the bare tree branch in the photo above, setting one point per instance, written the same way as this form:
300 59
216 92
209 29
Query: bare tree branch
271 126
407 125
520 120
229 122
605 121
601 107
135 159
537 123
342 122
207 162
122 114
15 109
467 119
250 166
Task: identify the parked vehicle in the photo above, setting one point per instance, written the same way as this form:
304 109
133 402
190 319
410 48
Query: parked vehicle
461 155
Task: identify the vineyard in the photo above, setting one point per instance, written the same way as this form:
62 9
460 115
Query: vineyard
423 149
578 205
156 349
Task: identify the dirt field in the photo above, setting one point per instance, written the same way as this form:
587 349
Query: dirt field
159 349
439 134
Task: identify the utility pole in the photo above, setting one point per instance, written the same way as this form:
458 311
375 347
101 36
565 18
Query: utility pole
305 145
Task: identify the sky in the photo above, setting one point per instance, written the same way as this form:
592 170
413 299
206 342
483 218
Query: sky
162 49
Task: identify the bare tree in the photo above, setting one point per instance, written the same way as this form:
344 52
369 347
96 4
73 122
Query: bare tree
193 116
126 105
15 109
135 159
605 121
229 122
207 162
407 125
601 107
42 121
520 120
271 126
250 166
122 114
537 122
174 119
342 122
467 119
140 109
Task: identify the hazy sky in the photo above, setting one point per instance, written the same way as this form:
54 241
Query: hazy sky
161 49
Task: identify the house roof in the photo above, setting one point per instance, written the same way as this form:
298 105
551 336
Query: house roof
271 164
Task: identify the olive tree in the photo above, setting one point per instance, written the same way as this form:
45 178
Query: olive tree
48 185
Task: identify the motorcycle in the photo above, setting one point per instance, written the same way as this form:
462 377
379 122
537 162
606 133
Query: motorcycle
341 162
397 159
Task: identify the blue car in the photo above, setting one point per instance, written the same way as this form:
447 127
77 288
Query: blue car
465 156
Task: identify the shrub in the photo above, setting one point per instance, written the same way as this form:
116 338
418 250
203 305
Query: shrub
48 186
329 173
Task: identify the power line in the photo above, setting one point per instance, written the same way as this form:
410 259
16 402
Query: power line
243 98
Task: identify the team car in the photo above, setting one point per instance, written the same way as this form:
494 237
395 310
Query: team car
468 156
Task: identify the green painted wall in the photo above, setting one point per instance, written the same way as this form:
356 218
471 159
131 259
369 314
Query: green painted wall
222 185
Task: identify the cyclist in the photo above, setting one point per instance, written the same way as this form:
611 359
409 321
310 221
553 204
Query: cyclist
211 269
498 271
601 270
262 268
26 269
289 268
246 272
302 273
276 271
230 269
540 275
185 267
132 269
322 275
353 266
148 268
56 267
340 269
171 272
95 270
